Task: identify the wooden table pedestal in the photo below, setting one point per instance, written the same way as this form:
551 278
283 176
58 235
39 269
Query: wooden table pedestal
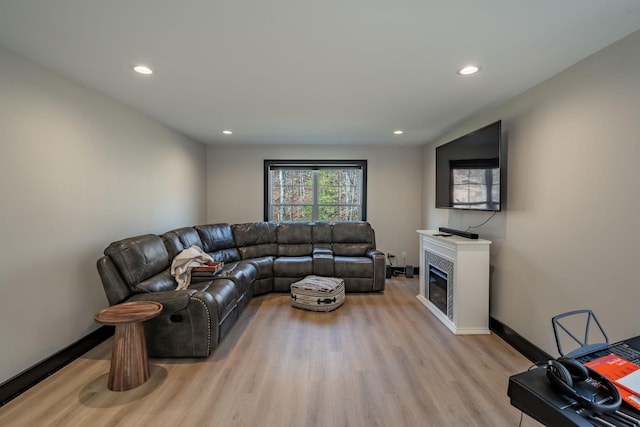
129 363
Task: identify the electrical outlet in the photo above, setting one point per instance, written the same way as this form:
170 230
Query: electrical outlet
404 254
390 258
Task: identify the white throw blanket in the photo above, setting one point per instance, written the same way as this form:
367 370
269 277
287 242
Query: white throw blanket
181 265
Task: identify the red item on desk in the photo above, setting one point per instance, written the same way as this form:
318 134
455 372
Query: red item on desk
616 368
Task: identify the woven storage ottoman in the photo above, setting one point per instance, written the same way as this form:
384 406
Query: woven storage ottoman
318 293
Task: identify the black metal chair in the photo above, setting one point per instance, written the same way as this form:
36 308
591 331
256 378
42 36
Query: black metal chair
578 322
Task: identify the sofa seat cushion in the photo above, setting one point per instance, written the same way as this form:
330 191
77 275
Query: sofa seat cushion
293 266
352 266
242 274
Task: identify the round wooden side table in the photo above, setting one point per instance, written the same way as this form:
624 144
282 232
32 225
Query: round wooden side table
129 364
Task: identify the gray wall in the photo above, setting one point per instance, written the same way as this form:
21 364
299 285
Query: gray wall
77 171
394 186
566 239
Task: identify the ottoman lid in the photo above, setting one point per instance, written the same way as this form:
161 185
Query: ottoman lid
318 283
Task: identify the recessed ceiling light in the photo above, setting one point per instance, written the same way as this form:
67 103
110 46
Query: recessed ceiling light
468 70
398 132
227 132
142 69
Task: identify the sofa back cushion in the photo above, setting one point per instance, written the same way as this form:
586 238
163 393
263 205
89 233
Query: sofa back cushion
256 239
321 235
180 239
218 241
294 239
352 238
139 258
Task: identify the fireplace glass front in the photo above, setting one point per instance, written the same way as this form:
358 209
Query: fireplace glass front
437 291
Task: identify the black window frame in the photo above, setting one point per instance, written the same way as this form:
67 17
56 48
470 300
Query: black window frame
315 164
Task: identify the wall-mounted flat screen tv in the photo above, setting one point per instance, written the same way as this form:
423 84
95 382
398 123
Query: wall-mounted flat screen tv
470 171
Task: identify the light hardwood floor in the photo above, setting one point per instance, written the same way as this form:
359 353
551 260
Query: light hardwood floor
379 360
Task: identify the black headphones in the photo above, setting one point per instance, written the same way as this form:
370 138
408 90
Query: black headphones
564 371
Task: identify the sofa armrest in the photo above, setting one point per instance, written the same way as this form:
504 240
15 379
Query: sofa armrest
322 251
187 326
114 286
379 269
172 301
323 262
372 253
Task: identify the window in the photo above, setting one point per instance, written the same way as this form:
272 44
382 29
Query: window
315 190
475 184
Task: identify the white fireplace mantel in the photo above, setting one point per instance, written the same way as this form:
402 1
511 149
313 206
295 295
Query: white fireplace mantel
466 262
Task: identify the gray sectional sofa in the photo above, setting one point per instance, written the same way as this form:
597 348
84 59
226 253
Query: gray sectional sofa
259 257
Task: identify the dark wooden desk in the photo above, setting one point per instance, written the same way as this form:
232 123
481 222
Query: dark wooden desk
129 363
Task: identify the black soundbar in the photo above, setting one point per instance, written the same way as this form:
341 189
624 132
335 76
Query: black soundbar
467 234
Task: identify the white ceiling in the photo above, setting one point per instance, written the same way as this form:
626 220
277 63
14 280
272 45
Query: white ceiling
312 72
